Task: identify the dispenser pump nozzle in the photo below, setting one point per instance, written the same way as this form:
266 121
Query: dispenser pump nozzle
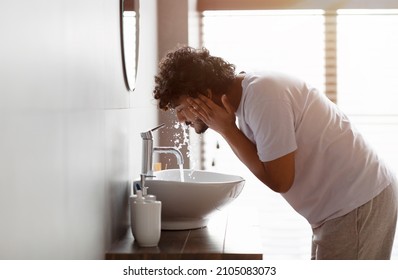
139 196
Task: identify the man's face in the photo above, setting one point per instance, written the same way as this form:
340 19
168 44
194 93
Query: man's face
184 115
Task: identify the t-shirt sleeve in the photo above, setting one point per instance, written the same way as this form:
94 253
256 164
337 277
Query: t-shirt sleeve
272 123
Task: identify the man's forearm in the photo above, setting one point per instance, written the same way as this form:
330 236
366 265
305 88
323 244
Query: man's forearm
277 174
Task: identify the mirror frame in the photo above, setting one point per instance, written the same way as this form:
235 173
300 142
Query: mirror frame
129 5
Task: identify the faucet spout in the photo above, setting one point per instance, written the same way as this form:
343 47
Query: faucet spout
148 150
170 150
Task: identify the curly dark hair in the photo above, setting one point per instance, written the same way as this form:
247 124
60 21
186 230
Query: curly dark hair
190 71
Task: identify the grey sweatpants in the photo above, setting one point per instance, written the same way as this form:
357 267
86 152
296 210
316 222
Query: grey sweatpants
367 232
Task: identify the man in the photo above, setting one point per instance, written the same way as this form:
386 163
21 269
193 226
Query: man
296 142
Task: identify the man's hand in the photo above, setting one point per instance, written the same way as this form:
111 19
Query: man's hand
277 174
218 118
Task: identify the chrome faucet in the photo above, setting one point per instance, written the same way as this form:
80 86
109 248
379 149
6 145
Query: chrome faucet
148 150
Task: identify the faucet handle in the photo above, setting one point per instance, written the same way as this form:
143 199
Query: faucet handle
159 126
143 176
148 134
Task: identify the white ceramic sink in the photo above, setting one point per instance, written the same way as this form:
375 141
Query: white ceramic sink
190 204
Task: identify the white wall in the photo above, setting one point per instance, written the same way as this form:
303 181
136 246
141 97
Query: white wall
68 127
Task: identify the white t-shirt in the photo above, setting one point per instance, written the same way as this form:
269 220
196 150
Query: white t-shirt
336 171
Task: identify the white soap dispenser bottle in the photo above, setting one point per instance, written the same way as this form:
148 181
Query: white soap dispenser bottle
146 220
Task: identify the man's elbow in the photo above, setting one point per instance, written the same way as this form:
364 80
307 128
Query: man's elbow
282 187
281 184
279 174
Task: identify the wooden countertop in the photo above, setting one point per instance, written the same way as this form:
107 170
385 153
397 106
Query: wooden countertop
232 234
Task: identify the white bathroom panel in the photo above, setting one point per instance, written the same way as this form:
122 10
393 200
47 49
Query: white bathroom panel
64 128
84 185
65 184
54 187
62 54
117 172
31 193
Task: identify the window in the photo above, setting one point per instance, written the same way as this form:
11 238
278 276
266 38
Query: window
367 70
368 61
285 40
350 55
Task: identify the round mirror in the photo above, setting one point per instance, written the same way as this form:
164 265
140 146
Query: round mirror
129 18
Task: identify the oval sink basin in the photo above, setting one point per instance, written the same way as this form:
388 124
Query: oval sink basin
189 204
